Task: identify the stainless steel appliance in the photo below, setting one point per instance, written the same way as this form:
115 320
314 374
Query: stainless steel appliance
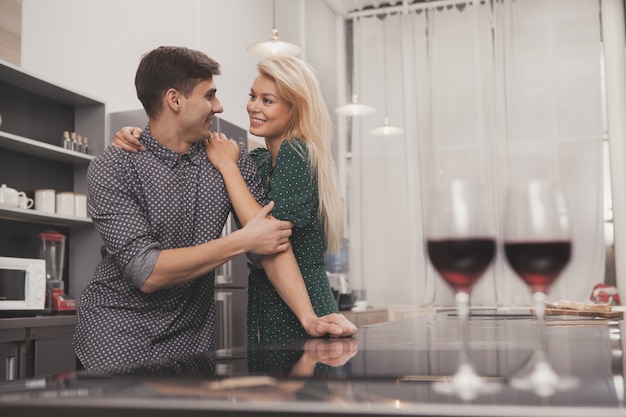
231 299
22 285
231 279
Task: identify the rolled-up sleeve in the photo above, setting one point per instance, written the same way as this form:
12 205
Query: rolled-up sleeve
119 217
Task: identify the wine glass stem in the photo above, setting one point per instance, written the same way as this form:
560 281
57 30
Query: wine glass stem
462 305
540 313
539 299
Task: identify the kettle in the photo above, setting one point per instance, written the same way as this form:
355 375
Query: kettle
345 298
8 196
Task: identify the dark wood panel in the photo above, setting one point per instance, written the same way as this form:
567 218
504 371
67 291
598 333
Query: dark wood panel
11 31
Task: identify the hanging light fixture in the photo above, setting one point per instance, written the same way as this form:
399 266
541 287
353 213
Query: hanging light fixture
274 47
385 129
354 108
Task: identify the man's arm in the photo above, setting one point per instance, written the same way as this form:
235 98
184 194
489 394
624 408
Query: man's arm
125 228
260 235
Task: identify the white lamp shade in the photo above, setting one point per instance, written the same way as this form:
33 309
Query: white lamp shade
386 129
274 47
355 108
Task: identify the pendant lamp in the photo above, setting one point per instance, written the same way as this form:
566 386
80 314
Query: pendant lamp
385 129
274 47
354 108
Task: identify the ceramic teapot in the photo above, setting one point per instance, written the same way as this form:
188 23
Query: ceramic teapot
8 196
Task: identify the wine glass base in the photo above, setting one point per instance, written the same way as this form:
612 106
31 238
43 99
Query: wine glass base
466 384
544 381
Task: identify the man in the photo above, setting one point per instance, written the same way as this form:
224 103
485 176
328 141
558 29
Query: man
160 214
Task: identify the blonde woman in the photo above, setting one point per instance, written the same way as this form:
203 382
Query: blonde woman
298 173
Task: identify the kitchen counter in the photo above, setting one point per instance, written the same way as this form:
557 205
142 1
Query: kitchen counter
402 367
367 316
37 321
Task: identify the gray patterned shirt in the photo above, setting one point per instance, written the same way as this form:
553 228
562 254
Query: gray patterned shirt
140 204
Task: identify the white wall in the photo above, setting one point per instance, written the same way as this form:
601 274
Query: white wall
94 46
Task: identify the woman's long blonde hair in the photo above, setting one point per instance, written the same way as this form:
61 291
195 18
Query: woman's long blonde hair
310 121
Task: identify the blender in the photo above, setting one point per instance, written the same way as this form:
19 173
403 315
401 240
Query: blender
52 250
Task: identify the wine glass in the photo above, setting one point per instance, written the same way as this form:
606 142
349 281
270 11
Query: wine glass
461 246
538 246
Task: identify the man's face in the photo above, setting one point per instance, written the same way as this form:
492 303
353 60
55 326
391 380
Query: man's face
198 110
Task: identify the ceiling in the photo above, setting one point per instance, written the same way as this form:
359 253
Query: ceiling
343 7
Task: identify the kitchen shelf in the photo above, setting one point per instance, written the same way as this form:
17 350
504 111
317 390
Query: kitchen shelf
19 77
41 149
35 216
35 112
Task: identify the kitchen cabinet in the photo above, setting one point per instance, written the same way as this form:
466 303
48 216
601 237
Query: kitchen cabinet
52 350
33 347
34 113
12 355
9 360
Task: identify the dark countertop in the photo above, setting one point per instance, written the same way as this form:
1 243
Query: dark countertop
394 368
37 321
37 327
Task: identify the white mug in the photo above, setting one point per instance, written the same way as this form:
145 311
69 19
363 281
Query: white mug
65 203
80 205
44 200
8 196
24 201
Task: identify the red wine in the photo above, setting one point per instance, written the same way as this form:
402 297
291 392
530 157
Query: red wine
538 263
461 262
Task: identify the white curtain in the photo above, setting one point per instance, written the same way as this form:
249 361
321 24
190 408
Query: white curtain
495 90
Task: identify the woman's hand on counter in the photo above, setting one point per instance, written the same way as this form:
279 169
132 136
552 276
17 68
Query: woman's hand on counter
333 325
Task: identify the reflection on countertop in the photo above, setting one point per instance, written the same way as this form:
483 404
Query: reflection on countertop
387 369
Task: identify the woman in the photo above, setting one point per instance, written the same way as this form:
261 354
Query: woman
286 109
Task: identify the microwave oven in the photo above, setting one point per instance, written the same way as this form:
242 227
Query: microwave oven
22 284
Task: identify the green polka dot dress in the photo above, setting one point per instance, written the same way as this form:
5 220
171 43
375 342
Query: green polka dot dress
293 188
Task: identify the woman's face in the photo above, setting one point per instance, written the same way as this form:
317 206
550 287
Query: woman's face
269 113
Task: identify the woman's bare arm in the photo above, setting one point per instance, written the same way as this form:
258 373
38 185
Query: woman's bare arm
282 268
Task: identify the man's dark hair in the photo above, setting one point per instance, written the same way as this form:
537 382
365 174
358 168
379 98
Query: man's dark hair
171 67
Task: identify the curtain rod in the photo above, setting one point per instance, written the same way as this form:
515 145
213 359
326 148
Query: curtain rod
405 7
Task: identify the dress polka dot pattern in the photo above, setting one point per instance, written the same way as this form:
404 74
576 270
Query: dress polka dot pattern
140 204
294 189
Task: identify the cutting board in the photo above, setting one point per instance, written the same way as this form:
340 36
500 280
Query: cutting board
619 315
